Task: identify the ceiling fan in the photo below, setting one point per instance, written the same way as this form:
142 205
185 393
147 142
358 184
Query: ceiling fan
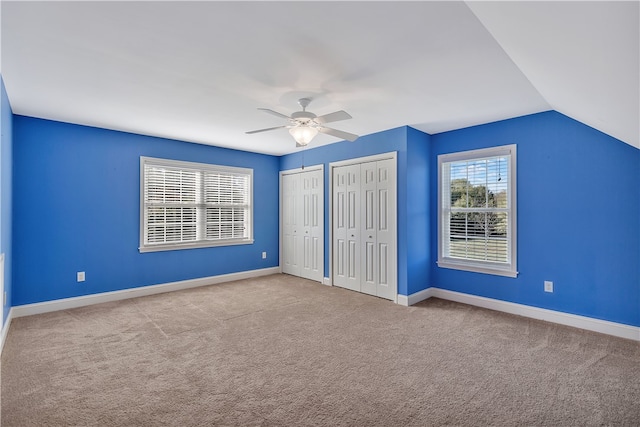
304 125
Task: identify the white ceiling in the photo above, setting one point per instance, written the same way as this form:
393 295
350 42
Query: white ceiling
198 71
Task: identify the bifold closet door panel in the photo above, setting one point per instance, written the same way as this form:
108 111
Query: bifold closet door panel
369 221
385 262
346 227
290 218
311 247
378 226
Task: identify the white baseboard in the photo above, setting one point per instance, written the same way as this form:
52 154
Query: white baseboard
407 300
326 281
67 303
5 330
582 322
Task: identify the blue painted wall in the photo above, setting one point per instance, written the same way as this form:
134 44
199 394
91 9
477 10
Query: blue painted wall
418 211
578 218
6 187
77 208
412 160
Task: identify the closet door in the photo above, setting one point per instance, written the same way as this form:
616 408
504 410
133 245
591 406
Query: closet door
311 248
369 227
346 227
364 227
303 224
385 258
378 228
290 224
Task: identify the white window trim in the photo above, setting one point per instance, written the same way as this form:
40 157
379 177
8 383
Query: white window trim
200 243
509 269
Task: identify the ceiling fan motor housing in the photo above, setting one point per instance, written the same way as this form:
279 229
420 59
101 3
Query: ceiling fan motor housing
303 116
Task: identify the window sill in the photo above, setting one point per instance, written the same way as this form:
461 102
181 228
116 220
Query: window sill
197 245
477 268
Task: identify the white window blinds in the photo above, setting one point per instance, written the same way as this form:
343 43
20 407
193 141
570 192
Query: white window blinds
171 205
187 205
226 202
477 210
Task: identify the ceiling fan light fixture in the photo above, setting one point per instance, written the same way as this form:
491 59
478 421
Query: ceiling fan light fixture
303 134
305 125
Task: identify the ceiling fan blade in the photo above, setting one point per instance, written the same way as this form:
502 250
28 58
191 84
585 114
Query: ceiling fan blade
264 130
338 133
333 117
275 113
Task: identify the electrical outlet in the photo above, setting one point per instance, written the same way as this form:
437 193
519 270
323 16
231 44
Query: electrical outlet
548 286
264 255
80 276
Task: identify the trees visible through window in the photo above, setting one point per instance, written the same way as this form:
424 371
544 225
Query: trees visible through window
477 211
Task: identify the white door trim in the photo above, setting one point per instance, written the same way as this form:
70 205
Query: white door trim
366 159
305 169
374 158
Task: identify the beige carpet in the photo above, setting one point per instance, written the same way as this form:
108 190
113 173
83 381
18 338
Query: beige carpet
282 351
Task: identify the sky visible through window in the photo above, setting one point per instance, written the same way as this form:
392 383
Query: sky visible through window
491 173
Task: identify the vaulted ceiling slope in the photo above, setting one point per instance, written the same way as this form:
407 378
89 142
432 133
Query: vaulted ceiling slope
198 71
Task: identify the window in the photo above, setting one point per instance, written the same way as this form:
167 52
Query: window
193 205
477 211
